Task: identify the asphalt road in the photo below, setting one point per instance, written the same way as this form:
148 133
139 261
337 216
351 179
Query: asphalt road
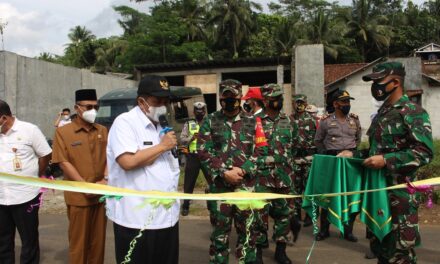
194 243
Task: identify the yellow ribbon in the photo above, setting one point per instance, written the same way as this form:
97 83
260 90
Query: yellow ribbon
85 187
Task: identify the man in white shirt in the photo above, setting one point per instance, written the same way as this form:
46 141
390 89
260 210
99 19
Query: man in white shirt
139 157
63 118
23 151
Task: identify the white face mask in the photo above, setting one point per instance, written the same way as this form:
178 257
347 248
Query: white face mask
154 112
89 116
66 117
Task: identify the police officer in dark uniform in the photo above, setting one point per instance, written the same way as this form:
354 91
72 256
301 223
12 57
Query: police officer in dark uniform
338 134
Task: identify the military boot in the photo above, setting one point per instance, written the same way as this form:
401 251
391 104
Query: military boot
348 230
280 254
307 221
259 259
295 226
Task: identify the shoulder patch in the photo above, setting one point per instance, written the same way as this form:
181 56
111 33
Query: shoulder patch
324 116
353 116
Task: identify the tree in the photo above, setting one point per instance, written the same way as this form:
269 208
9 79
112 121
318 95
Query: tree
192 14
232 23
369 31
132 22
80 34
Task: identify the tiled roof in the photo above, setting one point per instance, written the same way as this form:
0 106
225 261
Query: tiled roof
334 72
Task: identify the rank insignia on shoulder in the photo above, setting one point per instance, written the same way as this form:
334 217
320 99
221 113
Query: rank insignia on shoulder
353 116
325 116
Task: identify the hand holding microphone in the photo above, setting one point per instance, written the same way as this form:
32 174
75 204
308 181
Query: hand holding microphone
169 140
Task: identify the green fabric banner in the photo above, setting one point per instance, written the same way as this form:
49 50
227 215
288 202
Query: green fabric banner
330 174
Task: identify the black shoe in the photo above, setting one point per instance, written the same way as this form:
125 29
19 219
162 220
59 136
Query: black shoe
322 235
259 259
350 237
307 221
185 211
280 254
370 255
295 226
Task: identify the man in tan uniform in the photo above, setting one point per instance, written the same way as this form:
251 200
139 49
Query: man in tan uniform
80 150
338 134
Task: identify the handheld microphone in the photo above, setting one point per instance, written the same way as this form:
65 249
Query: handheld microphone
164 124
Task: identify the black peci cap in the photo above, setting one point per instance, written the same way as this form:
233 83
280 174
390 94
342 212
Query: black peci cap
85 95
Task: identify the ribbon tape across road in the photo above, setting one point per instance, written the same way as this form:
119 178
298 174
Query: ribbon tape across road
84 187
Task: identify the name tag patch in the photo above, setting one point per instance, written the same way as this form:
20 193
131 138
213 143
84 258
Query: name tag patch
148 143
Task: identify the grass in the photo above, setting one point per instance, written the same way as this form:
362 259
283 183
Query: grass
200 183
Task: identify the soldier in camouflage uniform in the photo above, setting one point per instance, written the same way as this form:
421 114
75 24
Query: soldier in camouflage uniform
276 168
400 141
306 124
226 150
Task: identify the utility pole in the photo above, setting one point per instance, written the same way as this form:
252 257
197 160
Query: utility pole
2 28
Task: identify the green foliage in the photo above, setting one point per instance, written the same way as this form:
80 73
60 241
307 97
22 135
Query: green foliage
191 30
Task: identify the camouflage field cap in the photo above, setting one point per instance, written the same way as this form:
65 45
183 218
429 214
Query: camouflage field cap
230 85
312 109
271 90
384 69
300 97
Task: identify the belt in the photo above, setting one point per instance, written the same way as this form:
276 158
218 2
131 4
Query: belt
305 152
335 152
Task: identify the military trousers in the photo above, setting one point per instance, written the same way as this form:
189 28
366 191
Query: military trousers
398 246
244 221
281 210
300 183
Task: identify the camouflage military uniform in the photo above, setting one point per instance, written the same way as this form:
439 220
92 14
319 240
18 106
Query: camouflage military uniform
222 144
276 170
306 124
402 133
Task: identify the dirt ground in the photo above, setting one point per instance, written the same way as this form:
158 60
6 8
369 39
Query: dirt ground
54 204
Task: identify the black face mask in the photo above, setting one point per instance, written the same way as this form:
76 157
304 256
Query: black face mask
345 109
230 104
277 104
247 107
378 90
199 116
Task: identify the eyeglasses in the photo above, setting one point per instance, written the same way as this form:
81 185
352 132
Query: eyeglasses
90 106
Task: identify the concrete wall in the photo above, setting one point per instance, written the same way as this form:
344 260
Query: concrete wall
37 90
309 73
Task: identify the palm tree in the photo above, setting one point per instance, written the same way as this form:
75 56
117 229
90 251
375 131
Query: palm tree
192 14
80 34
369 31
322 30
288 33
106 55
232 21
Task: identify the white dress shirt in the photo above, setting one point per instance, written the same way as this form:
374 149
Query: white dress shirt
130 132
29 144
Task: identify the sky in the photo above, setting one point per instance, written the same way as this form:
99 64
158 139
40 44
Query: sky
36 26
